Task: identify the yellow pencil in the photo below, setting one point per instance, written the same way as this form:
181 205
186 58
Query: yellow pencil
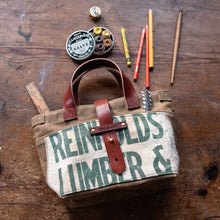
151 46
127 56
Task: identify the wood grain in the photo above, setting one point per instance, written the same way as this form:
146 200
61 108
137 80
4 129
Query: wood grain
37 98
32 48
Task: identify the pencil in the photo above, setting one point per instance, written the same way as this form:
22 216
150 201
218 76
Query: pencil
147 58
176 44
151 52
139 54
127 56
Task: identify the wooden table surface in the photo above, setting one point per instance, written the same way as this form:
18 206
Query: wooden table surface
32 48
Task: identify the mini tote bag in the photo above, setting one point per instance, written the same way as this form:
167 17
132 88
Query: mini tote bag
107 150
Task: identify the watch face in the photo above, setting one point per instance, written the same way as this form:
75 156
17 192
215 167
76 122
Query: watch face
80 45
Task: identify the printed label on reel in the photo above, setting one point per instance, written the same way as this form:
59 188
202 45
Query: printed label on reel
80 45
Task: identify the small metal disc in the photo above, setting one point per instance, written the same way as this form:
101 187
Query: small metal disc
100 48
98 39
108 42
97 30
95 13
106 34
80 45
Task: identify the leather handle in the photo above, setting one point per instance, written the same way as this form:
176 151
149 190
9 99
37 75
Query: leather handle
115 73
71 96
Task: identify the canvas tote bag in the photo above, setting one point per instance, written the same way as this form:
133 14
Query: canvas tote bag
107 150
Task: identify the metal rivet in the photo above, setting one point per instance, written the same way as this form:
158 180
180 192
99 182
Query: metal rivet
106 34
98 39
111 140
100 48
97 30
93 130
123 124
108 42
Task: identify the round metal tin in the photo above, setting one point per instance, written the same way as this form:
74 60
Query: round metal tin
80 45
107 49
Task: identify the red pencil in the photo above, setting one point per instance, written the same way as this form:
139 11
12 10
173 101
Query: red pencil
139 54
147 58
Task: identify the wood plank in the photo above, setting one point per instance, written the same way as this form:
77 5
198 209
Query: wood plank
37 98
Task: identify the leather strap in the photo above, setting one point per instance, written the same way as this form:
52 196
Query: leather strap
112 145
69 112
71 95
108 127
